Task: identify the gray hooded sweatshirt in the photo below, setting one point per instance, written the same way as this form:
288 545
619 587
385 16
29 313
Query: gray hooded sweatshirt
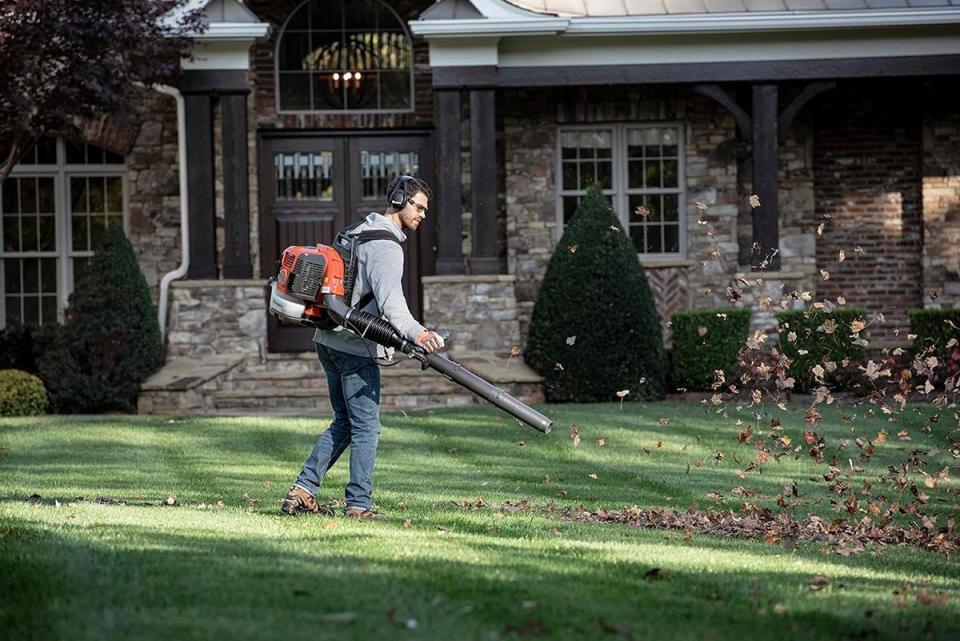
379 270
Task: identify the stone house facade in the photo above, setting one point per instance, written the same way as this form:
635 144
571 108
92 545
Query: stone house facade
842 118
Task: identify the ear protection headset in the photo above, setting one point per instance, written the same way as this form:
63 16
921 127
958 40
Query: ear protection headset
398 196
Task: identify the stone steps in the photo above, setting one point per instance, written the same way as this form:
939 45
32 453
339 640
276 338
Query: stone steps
286 384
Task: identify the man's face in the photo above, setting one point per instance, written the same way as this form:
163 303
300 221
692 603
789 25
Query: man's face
414 211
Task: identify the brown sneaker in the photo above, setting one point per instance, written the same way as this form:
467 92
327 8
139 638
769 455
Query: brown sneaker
361 513
298 501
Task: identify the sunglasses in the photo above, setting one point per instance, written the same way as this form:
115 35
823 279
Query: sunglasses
420 208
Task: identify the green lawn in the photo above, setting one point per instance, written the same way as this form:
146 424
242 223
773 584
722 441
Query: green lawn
435 570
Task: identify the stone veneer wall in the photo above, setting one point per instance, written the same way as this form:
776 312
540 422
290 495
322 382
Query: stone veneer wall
867 156
852 160
153 189
941 194
217 317
480 312
530 119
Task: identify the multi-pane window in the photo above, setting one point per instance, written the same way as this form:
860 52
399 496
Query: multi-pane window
640 169
336 55
54 207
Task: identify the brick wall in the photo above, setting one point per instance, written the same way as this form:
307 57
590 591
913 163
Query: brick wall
867 144
941 194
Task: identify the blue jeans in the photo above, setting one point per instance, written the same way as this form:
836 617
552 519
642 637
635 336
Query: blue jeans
354 384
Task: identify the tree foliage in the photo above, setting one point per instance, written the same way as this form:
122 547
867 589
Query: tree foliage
110 341
63 62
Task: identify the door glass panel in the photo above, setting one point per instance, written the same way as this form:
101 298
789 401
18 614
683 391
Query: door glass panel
304 176
378 168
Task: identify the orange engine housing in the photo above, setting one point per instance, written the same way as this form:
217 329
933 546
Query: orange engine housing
308 273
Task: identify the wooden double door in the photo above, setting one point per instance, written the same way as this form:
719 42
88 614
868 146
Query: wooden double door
311 186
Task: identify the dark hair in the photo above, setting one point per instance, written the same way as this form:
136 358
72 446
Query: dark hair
411 187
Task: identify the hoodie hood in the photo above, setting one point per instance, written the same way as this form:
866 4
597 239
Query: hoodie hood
379 221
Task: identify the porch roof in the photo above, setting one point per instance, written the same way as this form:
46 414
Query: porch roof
548 42
659 7
500 18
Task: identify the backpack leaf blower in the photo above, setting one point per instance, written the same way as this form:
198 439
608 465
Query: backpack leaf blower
311 288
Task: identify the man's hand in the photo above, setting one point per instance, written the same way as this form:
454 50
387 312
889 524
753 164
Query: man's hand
430 341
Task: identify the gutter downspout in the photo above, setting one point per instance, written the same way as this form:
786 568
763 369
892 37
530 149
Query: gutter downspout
180 271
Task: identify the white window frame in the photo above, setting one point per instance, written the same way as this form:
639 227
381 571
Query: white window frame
61 174
620 192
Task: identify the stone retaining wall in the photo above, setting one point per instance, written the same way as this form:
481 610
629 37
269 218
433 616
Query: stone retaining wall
222 317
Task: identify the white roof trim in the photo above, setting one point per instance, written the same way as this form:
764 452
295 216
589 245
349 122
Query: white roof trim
773 21
685 23
502 9
219 31
488 27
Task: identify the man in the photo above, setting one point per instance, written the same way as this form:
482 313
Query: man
353 374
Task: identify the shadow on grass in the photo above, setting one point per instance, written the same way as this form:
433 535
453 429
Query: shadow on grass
125 581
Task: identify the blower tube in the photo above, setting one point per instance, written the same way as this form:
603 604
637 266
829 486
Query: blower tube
383 333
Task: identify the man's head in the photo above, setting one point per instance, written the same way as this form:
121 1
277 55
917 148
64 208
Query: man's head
407 201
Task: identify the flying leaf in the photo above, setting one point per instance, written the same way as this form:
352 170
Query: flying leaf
622 393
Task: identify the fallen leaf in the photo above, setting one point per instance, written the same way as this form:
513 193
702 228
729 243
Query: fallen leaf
339 617
657 573
818 582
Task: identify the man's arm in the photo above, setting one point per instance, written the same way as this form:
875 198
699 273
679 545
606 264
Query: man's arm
384 267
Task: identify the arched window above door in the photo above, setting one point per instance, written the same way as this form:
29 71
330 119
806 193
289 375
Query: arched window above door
344 56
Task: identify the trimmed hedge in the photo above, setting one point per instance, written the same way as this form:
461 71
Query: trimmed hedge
21 394
933 329
110 341
22 346
595 330
697 352
811 327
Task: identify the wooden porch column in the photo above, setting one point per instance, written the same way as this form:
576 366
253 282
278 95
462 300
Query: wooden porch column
200 186
483 158
236 197
766 234
763 127
449 201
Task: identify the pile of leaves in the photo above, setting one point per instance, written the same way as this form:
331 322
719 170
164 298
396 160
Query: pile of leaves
753 522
